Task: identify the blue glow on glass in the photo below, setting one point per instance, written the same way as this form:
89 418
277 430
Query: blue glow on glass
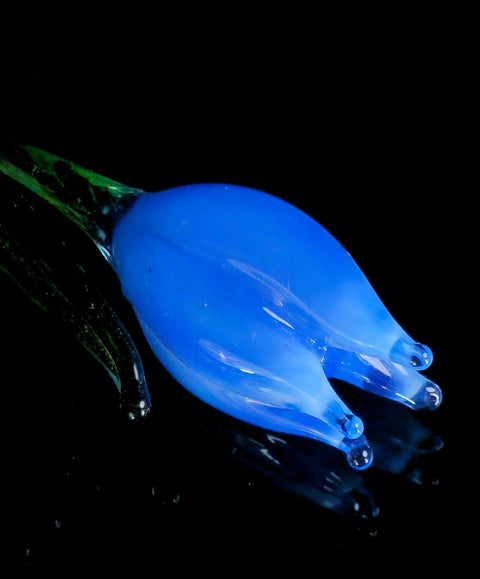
252 305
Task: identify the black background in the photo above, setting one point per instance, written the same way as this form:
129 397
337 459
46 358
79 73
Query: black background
369 152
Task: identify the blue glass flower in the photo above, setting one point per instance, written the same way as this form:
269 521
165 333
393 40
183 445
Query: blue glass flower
247 301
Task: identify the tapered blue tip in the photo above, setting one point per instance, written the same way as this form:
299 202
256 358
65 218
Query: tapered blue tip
429 397
360 455
417 355
352 426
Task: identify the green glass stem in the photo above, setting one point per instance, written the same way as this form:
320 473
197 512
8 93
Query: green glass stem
90 200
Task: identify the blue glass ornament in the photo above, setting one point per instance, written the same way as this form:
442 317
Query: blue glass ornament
246 300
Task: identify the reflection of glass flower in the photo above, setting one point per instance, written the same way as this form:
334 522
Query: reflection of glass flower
318 474
248 302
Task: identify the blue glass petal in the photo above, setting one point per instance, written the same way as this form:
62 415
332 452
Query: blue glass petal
248 302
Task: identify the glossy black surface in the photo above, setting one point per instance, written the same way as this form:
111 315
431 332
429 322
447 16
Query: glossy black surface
86 487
